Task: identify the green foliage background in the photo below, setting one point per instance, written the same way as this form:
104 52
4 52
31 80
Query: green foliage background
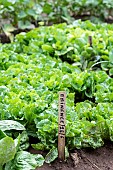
37 65
40 63
26 14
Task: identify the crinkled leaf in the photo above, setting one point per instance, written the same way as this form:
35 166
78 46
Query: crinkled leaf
10 124
7 150
38 146
52 155
25 161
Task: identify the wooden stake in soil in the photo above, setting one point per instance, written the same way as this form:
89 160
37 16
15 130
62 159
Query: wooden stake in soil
61 125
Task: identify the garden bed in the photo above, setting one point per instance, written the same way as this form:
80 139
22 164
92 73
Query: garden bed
33 69
85 159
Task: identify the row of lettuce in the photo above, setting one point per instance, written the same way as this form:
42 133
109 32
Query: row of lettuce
67 42
26 14
33 69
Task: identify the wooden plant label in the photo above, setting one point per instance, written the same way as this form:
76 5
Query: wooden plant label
61 125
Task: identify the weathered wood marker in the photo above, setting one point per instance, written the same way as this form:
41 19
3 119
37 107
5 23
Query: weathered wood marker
61 125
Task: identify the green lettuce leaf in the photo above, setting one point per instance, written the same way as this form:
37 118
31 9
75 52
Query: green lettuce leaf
38 146
25 161
52 155
7 150
2 135
10 125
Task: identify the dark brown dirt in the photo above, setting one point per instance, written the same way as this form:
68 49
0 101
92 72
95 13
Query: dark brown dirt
85 159
4 38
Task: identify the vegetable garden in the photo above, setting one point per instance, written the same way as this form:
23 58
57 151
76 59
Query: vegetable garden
33 69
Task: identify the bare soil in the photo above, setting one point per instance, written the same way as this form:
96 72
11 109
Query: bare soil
83 159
